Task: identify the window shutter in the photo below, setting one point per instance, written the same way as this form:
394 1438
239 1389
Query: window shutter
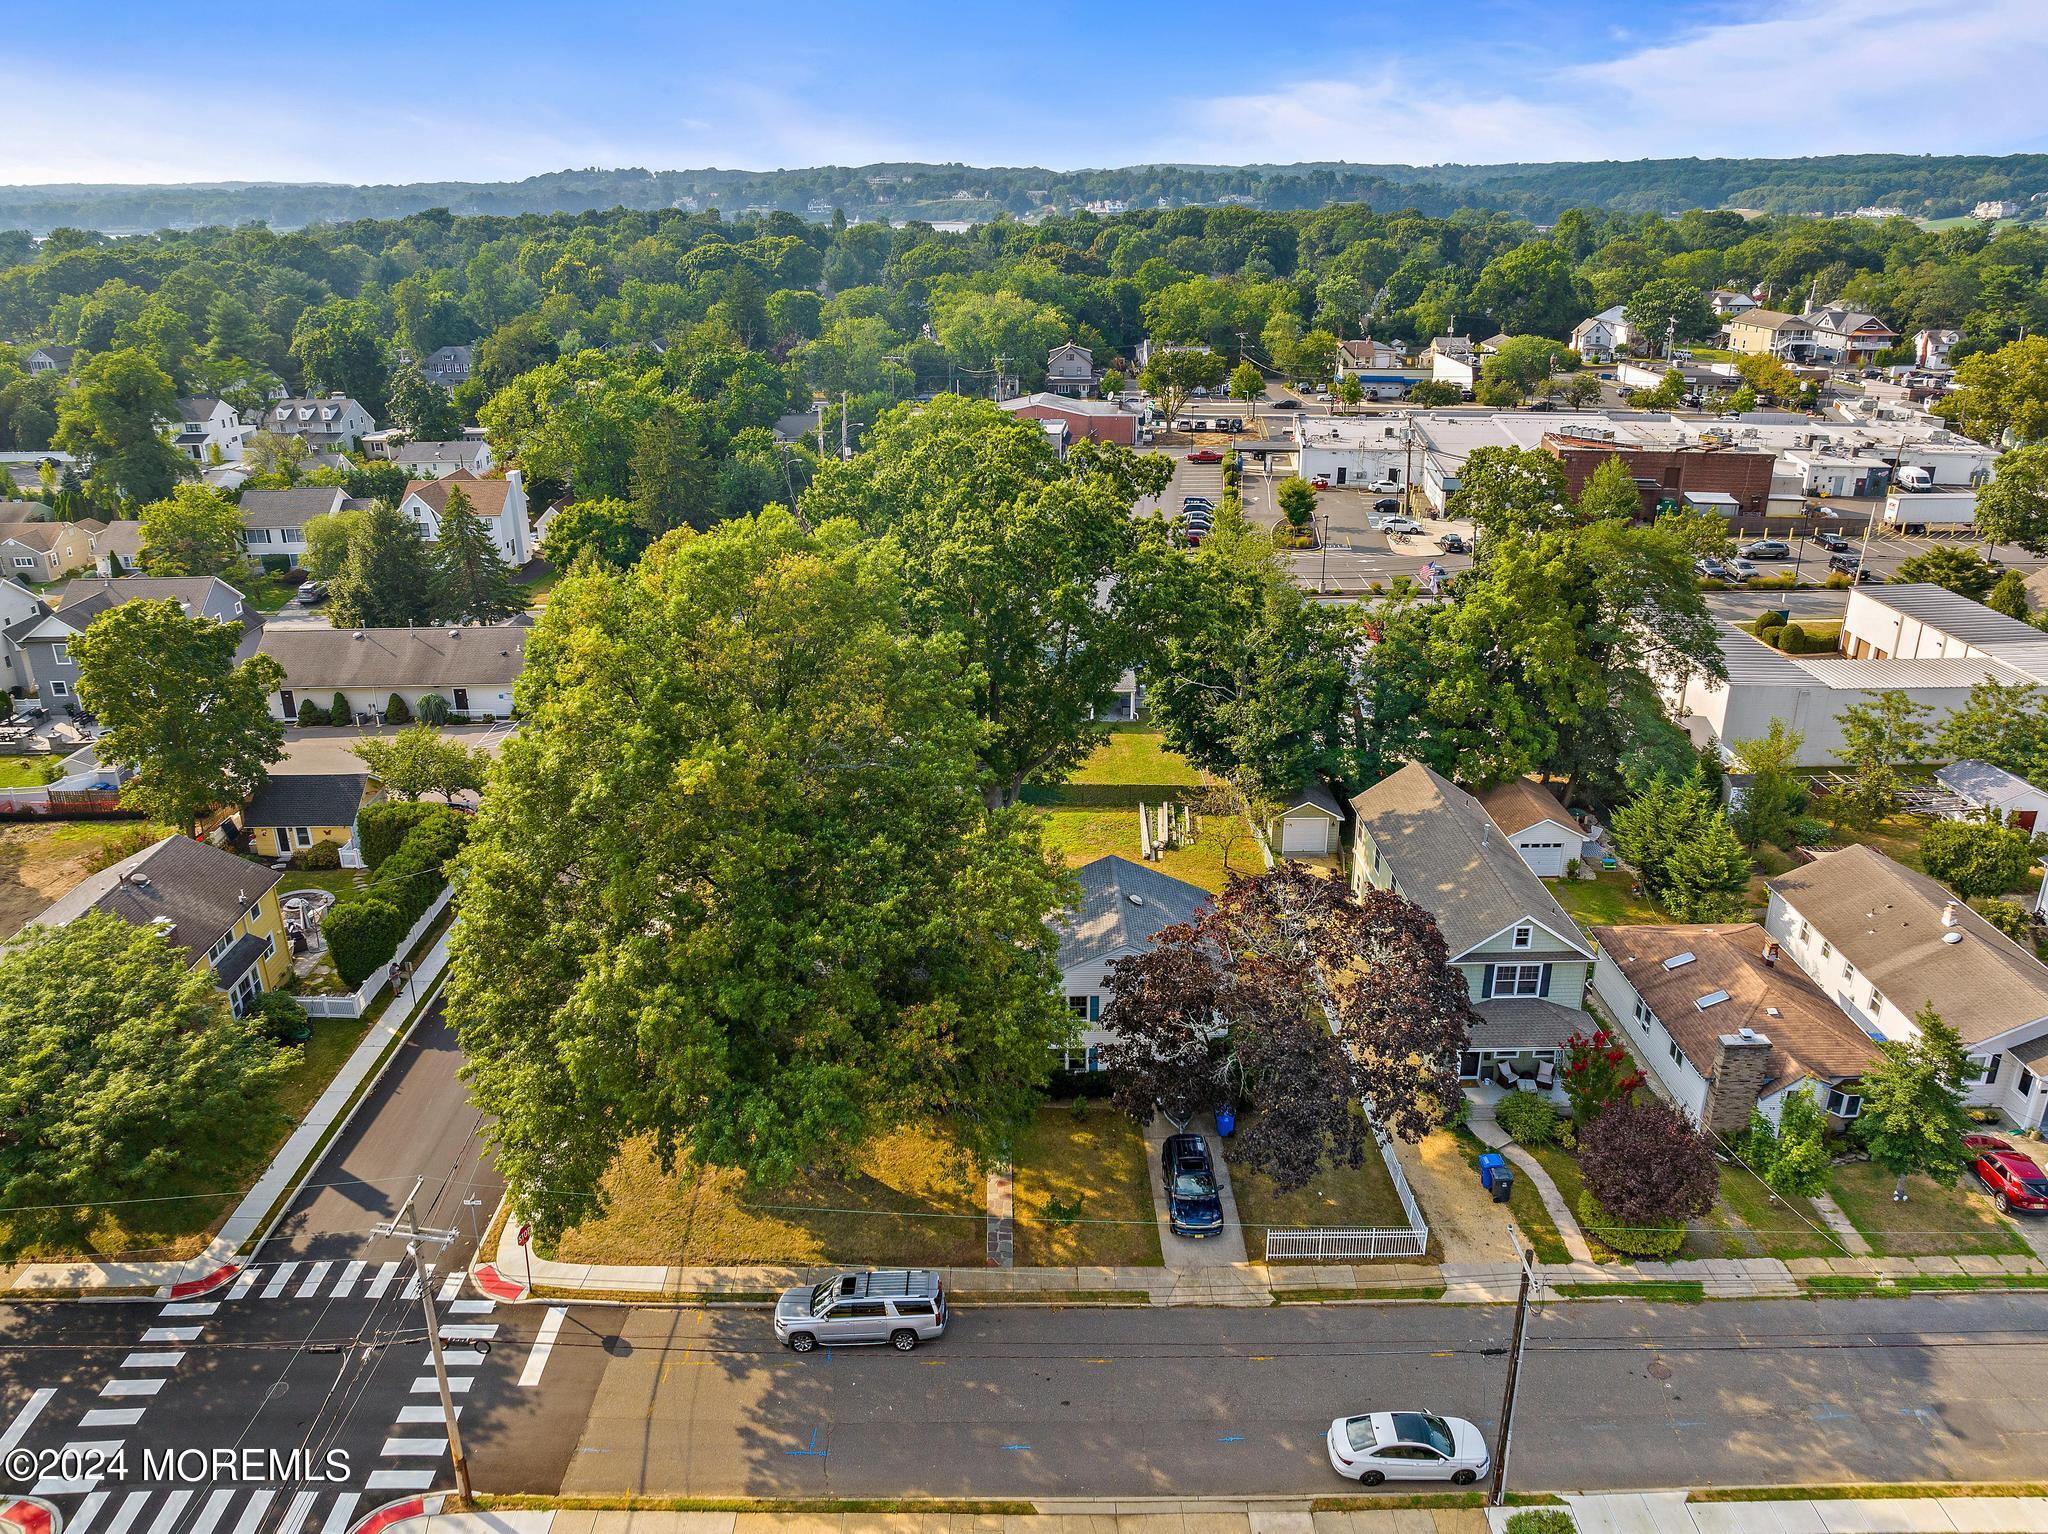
1543 984
1486 984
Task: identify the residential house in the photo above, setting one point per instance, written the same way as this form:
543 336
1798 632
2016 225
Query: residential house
45 641
1536 825
1770 333
41 551
500 502
1367 356
1848 336
116 547
1727 301
20 609
50 359
1992 793
294 811
205 424
1998 207
1070 370
1931 347
332 421
472 666
274 521
1525 964
1123 907
449 366
1726 1026
215 907
1604 336
1885 941
432 460
1308 823
1148 349
1100 419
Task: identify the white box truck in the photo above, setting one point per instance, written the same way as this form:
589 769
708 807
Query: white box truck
1931 511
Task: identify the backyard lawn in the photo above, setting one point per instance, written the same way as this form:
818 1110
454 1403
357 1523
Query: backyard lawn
1361 1196
1083 835
1136 754
1897 837
1604 901
267 592
1933 1221
341 881
40 860
1083 1191
29 771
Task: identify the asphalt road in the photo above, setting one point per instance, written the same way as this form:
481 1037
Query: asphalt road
1030 1402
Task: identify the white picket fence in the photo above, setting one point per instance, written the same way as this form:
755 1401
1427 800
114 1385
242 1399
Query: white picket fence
358 1001
1331 1244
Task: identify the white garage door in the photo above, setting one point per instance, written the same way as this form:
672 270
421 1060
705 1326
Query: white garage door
1304 834
1545 859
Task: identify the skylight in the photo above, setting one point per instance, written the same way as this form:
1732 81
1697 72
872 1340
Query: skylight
1678 961
1711 999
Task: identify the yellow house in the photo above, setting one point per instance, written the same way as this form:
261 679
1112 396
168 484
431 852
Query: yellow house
219 908
294 811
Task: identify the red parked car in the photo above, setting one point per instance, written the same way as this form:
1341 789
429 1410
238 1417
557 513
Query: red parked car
2013 1181
1205 455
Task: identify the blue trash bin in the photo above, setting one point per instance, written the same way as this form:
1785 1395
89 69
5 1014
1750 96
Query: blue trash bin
1226 1121
1490 1163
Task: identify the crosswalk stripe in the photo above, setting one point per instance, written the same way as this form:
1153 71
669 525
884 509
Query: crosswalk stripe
398 1480
172 1334
244 1283
408 1414
167 1516
190 1308
211 1513
471 1307
26 1418
313 1277
412 1288
252 1515
344 1508
349 1275
455 1358
275 1287
414 1448
152 1360
111 1416
295 1513
426 1384
80 1522
102 1449
543 1345
469 1329
131 1387
57 1488
130 1511
450 1286
381 1282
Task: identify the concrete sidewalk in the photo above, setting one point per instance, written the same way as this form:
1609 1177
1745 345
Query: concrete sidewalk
1667 1512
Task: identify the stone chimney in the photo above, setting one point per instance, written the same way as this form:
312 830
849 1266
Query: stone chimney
1738 1076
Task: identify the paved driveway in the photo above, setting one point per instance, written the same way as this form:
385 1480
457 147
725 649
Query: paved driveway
322 749
1184 1253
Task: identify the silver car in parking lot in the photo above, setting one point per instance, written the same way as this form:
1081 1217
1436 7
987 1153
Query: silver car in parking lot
899 1306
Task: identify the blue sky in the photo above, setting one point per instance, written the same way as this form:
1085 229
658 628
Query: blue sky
454 89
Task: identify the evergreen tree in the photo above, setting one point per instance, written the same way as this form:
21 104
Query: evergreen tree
472 582
386 579
1913 1118
2008 595
1707 874
1673 832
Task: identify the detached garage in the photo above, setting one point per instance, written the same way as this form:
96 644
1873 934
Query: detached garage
1308 824
1536 825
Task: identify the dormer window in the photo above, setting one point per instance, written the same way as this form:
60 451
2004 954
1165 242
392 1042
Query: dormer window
1524 936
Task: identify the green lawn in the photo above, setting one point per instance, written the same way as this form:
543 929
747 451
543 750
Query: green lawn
341 881
266 592
1933 1221
1083 1191
1083 835
1897 837
1135 753
1748 1220
1605 901
1360 1196
29 771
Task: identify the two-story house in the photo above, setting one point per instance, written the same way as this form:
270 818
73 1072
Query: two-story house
50 359
1770 333
205 424
1123 906
1604 336
449 366
215 907
45 643
435 460
1070 369
500 502
332 421
274 521
20 611
1884 941
1525 963
41 551
1845 335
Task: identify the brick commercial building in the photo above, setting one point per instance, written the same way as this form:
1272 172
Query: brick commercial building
1670 473
1096 418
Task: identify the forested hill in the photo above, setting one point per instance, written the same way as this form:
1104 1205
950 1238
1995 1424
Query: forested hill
1926 186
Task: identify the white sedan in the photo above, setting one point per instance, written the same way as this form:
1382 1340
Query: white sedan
1407 1446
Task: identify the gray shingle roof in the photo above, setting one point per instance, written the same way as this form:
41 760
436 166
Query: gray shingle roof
307 799
1526 1023
1123 906
290 508
1449 858
1886 920
235 963
201 890
324 659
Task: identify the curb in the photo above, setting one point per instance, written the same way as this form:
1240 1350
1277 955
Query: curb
417 1506
194 1287
498 1287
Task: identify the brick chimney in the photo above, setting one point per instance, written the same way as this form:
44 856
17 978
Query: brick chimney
1738 1076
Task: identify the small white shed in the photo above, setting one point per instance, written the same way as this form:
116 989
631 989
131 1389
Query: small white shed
1308 823
1985 787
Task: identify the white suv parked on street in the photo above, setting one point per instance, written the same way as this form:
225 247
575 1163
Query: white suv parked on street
899 1306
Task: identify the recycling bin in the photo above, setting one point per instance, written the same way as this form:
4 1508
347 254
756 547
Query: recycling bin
1226 1121
1492 1164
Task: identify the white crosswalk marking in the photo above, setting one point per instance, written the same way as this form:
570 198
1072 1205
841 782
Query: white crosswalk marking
484 1330
426 1384
412 1288
190 1308
398 1480
129 1511
454 1358
211 1513
295 1512
172 1334
152 1360
80 1522
344 1509
471 1307
408 1414
450 1286
252 1515
167 1515
111 1416
314 1275
381 1282
543 1345
278 1280
414 1448
242 1284
131 1387
349 1275
25 1418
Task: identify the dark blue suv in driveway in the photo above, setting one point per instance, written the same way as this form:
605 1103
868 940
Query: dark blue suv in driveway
1193 1206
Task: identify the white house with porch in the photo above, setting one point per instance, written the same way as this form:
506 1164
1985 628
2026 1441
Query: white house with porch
1123 906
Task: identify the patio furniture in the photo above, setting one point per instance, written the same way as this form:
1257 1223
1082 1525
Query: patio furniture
1525 1083
1546 1075
1504 1076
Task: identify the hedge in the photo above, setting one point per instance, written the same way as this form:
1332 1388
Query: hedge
381 827
409 863
1528 1118
1660 1241
362 932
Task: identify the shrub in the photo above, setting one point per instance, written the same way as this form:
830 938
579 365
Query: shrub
1528 1118
1597 1074
1647 1167
1837 582
2008 916
1567 1134
1791 639
433 709
1975 857
339 712
1777 617
1542 1520
381 827
362 933
1770 633
311 713
1630 1240
276 564
283 1018
320 857
397 711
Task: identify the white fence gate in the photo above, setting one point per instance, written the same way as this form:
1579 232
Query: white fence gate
1330 1244
355 1003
